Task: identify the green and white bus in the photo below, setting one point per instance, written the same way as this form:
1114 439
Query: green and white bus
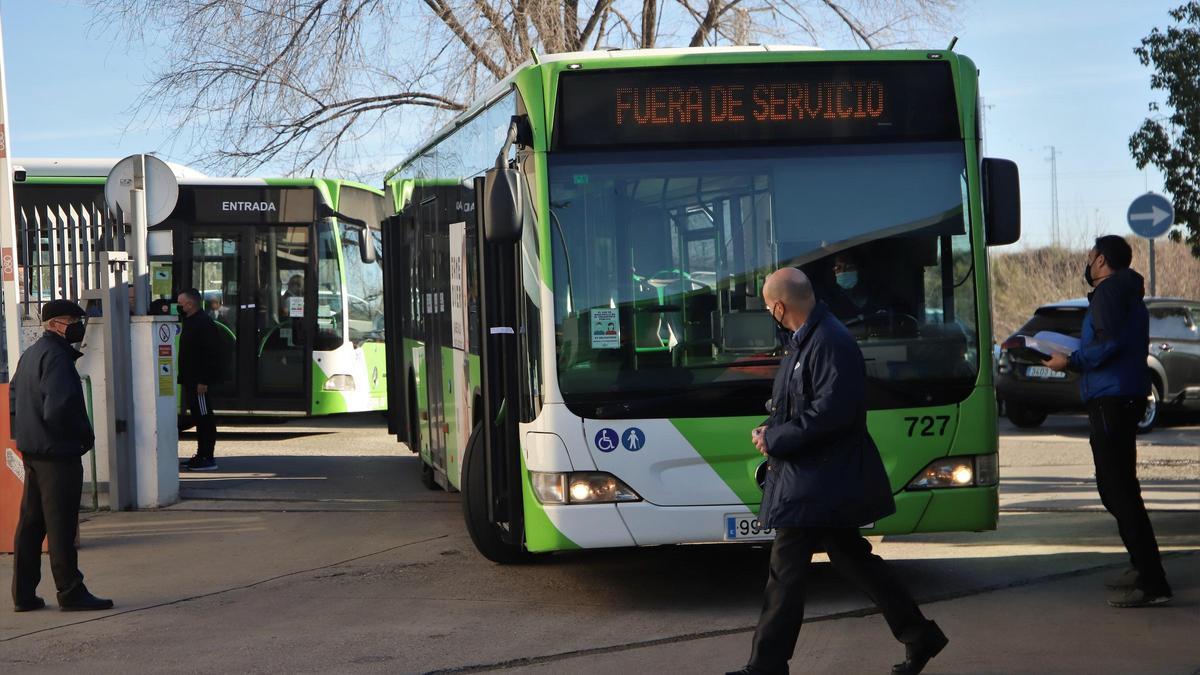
575 275
288 268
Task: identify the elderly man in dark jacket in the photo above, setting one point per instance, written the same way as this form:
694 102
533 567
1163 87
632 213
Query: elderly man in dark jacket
825 480
52 432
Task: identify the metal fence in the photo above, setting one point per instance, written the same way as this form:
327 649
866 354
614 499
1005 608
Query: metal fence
58 251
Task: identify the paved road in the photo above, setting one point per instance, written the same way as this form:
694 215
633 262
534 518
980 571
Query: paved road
288 560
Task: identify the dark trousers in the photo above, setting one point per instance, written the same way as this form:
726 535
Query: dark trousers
1113 422
206 425
783 604
49 509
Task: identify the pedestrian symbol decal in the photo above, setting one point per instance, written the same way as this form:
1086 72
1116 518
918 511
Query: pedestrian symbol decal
634 439
606 440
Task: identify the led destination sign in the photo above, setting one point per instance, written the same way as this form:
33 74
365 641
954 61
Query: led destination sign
775 102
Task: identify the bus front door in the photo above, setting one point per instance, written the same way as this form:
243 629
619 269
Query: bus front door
254 283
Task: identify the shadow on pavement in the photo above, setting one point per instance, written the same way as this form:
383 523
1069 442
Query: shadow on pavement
366 478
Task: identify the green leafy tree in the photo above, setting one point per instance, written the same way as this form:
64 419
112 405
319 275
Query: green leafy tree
1171 142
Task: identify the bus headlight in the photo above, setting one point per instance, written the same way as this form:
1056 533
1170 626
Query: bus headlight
965 471
580 487
340 383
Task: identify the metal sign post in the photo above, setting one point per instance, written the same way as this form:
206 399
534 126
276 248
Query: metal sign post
122 468
137 217
1151 216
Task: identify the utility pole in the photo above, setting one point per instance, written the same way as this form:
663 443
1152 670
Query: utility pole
8 236
1054 232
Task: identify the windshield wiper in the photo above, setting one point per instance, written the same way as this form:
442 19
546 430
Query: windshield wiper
566 259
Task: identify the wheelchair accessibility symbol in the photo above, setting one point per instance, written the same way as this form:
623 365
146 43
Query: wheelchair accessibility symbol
606 440
634 439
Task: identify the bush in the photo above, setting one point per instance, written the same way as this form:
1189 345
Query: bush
1024 280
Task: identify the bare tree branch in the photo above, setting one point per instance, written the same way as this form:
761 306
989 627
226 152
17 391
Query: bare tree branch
302 84
444 13
599 17
851 23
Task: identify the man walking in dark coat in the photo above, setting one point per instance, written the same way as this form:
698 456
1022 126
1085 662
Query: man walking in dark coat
825 480
52 432
198 368
1114 386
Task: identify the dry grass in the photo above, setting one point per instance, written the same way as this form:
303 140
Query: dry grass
1023 280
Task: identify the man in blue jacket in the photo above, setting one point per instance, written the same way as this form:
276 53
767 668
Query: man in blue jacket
52 432
825 479
1114 386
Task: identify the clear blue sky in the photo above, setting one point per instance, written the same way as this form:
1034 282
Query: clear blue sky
1054 72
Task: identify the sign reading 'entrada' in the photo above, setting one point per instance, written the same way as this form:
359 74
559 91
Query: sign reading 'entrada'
249 206
899 100
245 204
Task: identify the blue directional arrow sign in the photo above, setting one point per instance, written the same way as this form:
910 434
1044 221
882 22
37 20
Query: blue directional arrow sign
1151 215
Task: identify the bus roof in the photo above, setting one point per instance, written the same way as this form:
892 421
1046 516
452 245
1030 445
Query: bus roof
99 167
85 167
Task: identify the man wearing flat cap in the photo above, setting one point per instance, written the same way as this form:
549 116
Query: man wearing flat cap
52 432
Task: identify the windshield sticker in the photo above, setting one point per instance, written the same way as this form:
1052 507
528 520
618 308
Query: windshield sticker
606 329
458 285
295 307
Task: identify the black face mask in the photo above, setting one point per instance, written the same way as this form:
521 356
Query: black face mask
1087 274
782 334
74 332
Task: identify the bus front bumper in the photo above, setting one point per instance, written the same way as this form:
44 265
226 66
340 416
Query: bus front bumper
644 524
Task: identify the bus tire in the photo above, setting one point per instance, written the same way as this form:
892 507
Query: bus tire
1024 416
484 534
427 477
414 427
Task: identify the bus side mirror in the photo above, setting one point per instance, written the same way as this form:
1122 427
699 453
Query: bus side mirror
366 246
502 205
1001 201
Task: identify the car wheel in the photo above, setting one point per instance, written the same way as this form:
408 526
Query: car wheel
1024 416
1153 407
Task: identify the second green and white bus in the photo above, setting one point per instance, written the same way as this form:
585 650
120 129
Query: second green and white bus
288 268
575 275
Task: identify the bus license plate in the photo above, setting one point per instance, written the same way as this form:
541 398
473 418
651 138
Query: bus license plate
1044 373
745 527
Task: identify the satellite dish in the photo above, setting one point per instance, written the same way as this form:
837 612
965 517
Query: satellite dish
162 188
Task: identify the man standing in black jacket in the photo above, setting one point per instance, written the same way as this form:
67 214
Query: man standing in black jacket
1114 385
52 432
825 480
198 367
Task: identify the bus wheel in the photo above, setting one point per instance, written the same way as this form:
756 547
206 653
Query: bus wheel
427 477
484 534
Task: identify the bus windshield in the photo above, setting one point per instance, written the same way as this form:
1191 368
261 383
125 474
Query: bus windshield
660 258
